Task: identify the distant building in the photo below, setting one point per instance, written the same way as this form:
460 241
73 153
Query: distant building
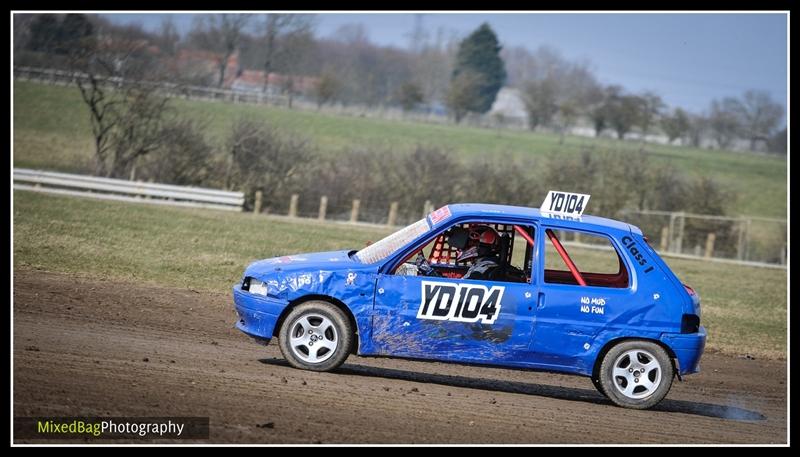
253 81
237 78
206 60
509 104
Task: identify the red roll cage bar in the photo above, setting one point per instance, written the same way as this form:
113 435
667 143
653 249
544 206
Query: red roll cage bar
563 253
556 244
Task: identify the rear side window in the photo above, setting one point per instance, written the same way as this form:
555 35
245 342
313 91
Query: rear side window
594 259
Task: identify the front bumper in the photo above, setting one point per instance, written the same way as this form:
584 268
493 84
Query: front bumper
688 348
257 314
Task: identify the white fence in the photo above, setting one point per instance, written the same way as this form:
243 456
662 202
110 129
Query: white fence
68 78
55 77
122 190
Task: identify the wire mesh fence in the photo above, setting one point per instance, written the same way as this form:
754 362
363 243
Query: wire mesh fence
743 238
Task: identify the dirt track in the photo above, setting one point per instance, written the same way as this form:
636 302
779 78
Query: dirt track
80 347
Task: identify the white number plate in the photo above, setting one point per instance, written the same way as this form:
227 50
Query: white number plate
564 203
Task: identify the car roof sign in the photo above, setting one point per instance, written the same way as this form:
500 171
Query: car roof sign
564 203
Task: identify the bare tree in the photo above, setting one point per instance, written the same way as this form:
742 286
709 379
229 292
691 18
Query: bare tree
622 111
222 34
23 32
126 123
759 116
433 66
184 157
724 121
541 102
138 132
369 74
327 88
292 57
409 95
460 96
261 159
777 142
168 37
650 107
675 125
698 127
278 26
418 35
568 112
600 107
126 114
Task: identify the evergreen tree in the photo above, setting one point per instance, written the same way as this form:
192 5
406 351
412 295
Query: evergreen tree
479 54
44 30
74 33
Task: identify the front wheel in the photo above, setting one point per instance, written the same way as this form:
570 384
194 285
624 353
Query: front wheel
316 336
636 374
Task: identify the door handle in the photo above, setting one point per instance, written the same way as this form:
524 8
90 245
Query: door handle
540 302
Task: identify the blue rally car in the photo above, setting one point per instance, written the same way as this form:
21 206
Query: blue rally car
546 289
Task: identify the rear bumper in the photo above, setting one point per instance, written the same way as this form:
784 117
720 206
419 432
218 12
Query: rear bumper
688 348
257 315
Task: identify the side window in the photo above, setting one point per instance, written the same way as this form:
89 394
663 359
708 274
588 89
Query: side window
595 260
475 250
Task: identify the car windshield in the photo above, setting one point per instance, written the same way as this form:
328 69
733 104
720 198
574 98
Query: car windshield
382 249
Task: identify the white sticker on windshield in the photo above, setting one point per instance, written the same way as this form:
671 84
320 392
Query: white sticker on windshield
385 247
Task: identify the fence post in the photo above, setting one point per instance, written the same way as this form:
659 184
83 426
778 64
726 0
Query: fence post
671 245
747 240
257 207
664 238
681 225
323 207
391 221
354 211
740 241
710 245
293 205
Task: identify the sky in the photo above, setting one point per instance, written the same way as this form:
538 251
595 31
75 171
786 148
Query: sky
689 59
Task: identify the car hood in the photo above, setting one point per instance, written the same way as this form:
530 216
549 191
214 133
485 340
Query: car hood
329 273
315 261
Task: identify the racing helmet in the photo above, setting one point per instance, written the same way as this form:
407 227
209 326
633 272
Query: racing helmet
483 241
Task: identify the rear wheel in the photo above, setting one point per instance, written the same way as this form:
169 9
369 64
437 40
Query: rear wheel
317 336
636 374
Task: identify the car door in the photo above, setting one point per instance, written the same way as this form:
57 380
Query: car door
570 315
451 318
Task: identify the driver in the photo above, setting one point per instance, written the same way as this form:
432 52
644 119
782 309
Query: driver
483 248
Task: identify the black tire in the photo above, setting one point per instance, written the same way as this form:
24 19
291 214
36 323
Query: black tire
629 389
320 323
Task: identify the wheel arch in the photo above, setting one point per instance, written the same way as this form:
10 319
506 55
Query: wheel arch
613 342
318 297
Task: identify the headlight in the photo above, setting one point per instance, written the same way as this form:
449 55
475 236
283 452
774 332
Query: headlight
256 287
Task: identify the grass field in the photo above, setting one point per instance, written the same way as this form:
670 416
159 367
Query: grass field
51 131
744 308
